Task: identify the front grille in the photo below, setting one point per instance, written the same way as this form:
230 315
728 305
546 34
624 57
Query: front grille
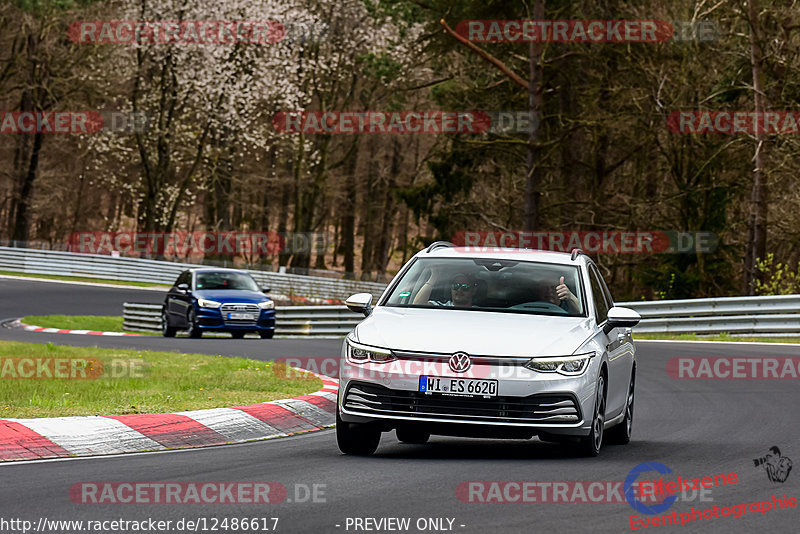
240 308
533 409
476 359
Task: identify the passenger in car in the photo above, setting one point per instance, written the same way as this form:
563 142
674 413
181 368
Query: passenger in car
566 296
559 294
546 292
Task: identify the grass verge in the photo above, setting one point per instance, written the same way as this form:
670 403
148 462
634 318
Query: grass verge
719 337
85 279
77 322
134 381
102 323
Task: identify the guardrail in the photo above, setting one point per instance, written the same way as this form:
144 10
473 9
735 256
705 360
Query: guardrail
774 314
32 261
736 315
289 320
140 317
315 321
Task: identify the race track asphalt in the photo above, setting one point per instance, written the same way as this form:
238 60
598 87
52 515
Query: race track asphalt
695 427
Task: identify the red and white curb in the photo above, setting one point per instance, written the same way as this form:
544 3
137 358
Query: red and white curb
27 439
33 328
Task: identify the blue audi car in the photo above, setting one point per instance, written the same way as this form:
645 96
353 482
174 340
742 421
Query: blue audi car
217 300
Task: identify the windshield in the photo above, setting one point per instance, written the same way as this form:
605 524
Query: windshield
226 280
491 285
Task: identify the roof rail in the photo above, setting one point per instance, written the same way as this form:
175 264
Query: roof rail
439 244
576 252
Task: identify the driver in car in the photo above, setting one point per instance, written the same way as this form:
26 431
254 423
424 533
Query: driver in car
462 291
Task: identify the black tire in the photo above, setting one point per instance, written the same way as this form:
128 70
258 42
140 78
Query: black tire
191 321
238 335
267 335
621 433
166 329
590 445
414 436
356 439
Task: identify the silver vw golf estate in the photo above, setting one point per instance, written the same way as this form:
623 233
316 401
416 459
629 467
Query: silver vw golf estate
499 343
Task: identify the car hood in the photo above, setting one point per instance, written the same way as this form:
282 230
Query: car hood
475 332
231 295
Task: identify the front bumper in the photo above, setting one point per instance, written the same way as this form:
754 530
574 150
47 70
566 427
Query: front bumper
389 394
212 319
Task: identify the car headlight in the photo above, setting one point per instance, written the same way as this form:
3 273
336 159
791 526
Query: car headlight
565 365
203 303
267 305
358 353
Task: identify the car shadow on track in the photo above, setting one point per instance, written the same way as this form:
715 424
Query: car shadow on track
486 449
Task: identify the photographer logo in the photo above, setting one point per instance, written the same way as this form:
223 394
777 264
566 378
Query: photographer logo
777 467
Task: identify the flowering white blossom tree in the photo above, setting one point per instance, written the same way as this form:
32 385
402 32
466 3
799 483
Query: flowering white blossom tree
211 105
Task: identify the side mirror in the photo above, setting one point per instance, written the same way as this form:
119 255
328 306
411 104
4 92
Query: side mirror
265 289
619 317
360 303
183 287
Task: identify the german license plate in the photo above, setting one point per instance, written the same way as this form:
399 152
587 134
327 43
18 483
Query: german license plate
238 315
458 386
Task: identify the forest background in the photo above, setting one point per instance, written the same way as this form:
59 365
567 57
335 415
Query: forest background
600 156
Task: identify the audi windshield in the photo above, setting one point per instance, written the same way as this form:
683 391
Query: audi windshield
222 280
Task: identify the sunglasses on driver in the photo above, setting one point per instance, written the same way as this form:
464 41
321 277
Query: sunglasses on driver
462 286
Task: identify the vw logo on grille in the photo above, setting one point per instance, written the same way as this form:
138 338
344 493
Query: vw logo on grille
460 362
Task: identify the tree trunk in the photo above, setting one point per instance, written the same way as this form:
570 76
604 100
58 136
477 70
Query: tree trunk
368 219
571 148
348 206
34 98
383 250
309 215
532 176
22 217
757 220
263 256
283 222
